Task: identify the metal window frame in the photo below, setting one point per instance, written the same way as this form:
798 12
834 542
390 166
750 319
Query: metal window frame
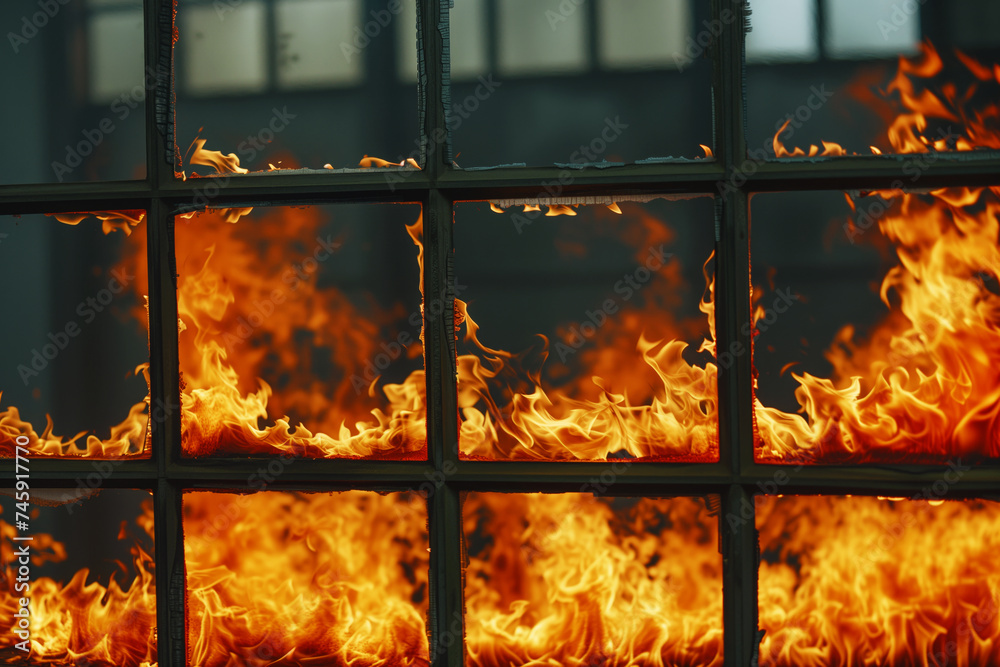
437 187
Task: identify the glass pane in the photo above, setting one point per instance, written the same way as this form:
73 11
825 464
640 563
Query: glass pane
305 83
88 589
564 91
301 332
346 576
646 574
469 40
77 379
74 91
891 77
860 580
875 321
589 335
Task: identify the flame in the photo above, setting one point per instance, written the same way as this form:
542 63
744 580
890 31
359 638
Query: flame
921 386
228 338
567 579
636 393
921 113
861 581
131 437
345 576
80 623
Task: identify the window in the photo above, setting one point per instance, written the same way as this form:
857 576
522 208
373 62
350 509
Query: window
728 484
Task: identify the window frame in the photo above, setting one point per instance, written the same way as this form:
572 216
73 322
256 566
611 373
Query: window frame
437 187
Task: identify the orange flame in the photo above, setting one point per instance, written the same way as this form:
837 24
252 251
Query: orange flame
227 272
922 387
80 623
567 579
653 404
861 581
131 437
346 576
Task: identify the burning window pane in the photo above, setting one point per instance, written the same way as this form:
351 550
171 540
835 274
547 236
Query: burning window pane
341 52
72 80
345 576
867 581
937 98
589 332
89 578
76 381
301 332
882 322
571 579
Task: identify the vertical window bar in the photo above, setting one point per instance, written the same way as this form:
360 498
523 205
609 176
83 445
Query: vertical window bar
732 302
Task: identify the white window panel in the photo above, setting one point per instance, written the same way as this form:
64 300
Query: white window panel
542 37
116 50
318 44
871 28
782 30
225 48
643 33
469 57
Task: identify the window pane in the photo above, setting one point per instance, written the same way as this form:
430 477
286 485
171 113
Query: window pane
78 354
606 357
864 580
301 333
74 92
645 573
874 317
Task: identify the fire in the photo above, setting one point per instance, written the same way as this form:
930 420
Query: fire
636 392
131 437
80 623
345 575
850 581
921 385
568 579
244 308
